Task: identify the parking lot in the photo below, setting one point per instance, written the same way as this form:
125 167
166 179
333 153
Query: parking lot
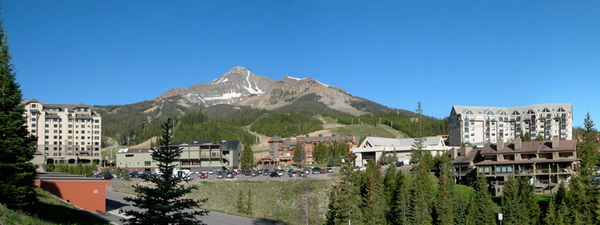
261 177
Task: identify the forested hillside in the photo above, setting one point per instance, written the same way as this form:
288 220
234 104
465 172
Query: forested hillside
286 124
135 123
404 121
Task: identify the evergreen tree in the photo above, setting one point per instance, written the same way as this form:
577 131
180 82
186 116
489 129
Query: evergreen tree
587 148
527 193
320 153
299 153
247 158
17 146
513 206
422 200
419 154
480 209
583 201
249 203
460 202
239 202
373 206
344 200
402 209
444 205
390 193
164 201
443 166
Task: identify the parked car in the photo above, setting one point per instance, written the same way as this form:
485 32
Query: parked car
293 174
134 175
302 174
220 176
253 173
316 170
290 171
280 172
274 174
266 173
322 171
204 171
329 170
203 175
229 175
107 176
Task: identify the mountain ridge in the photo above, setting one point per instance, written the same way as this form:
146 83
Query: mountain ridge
241 87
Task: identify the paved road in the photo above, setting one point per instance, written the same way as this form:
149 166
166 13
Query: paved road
114 202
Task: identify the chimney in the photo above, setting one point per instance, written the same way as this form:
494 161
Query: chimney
499 144
518 143
555 142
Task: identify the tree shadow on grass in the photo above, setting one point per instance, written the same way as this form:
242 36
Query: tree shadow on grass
263 221
65 215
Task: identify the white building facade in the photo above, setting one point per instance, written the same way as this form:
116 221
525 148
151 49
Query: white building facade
373 147
67 133
478 125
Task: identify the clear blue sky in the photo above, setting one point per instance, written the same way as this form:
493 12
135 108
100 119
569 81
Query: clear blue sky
442 53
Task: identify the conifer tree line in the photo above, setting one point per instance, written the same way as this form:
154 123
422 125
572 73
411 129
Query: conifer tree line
331 155
428 195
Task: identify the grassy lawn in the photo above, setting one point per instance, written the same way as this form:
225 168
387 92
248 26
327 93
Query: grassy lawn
50 210
283 202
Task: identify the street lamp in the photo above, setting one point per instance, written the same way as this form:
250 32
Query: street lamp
500 218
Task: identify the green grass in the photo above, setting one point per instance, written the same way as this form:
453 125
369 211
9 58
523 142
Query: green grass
49 211
328 120
365 130
277 201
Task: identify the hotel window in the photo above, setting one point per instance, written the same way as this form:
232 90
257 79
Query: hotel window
33 131
33 125
33 119
147 163
47 125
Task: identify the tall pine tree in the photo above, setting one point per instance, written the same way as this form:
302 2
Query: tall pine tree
587 148
299 154
164 202
17 146
344 200
480 210
247 158
373 206
422 200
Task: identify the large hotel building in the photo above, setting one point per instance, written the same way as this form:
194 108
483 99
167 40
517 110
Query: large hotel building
478 125
66 133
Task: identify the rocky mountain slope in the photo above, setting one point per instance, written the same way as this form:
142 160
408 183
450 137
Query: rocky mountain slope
240 87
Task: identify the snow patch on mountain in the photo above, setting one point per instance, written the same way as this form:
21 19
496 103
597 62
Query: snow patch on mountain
251 89
225 96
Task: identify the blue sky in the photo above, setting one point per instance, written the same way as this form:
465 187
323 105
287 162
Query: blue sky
442 53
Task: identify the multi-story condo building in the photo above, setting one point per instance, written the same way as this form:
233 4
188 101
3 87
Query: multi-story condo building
196 156
282 150
479 125
544 163
66 133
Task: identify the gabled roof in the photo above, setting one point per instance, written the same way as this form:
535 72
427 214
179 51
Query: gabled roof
380 141
484 110
275 139
530 146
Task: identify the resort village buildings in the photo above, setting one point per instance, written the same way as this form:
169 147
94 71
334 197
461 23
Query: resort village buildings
65 133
